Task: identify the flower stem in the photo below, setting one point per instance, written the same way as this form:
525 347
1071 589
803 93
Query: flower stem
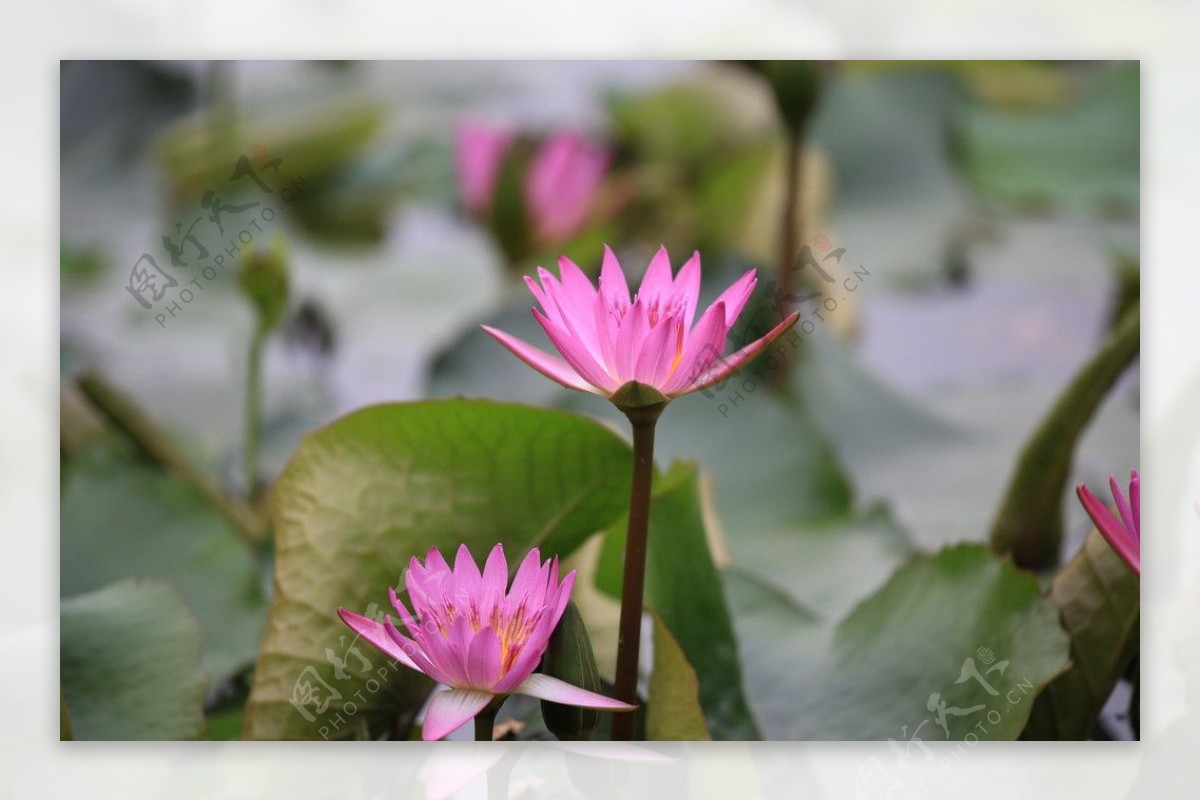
485 723
157 444
253 425
643 419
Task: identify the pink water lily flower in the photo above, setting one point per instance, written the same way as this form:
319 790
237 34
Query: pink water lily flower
1124 535
479 150
642 350
561 184
467 633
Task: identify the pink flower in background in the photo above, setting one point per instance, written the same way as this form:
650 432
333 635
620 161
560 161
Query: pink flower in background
561 185
479 151
641 350
468 634
1124 535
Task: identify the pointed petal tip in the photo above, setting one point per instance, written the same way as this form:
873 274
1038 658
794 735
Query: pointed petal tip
548 688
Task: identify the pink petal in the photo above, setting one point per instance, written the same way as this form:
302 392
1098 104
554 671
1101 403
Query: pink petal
423 663
577 301
435 563
548 688
733 363
479 151
483 659
450 709
526 575
576 355
550 366
410 621
444 655
633 330
658 353
1112 530
1122 505
426 591
495 578
657 281
377 635
736 296
561 183
687 286
612 280
564 596
703 346
1135 500
466 573
427 585
607 327
539 295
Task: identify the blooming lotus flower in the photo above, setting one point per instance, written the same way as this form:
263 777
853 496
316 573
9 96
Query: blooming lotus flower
561 184
479 151
1124 535
468 634
637 351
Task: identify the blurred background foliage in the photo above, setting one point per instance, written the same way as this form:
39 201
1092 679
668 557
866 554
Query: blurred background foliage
992 208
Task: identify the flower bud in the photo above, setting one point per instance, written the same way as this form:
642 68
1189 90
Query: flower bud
797 87
263 278
569 657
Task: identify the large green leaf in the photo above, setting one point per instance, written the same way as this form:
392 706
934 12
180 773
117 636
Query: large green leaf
673 711
121 518
828 566
684 588
364 494
130 664
1099 598
927 642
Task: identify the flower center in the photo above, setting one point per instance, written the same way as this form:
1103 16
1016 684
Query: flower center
512 627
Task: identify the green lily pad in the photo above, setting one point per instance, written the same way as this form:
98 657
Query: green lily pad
828 566
364 494
121 518
130 664
1083 156
956 643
